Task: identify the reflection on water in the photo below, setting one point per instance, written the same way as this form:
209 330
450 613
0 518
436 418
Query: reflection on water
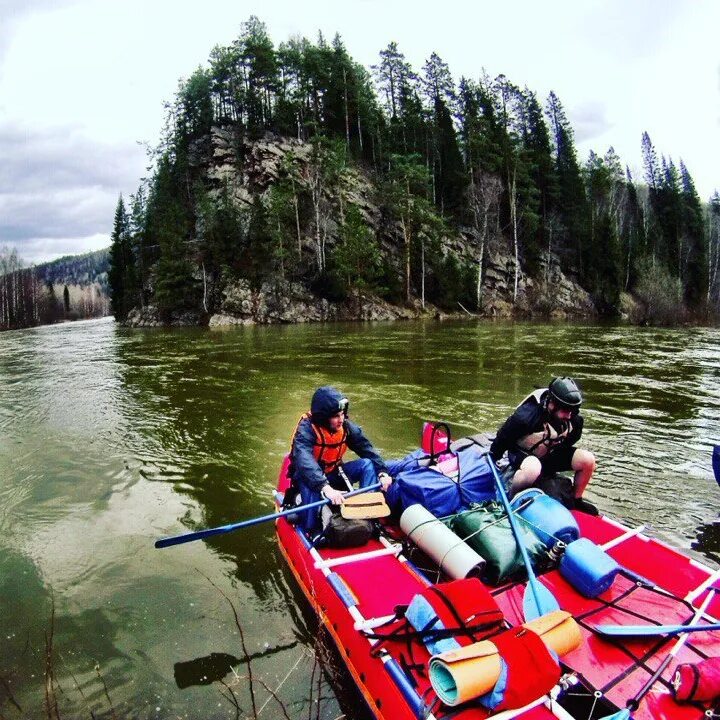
112 438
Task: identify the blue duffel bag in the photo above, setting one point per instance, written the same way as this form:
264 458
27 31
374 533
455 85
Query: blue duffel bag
442 494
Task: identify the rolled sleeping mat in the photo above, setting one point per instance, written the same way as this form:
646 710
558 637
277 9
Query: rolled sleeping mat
697 682
455 557
458 676
588 568
550 520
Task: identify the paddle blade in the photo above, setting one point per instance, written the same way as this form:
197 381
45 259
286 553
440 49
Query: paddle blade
651 630
620 715
716 463
538 603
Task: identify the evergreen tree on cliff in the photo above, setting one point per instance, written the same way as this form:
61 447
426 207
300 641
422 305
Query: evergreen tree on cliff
693 230
122 273
445 159
169 232
542 176
572 202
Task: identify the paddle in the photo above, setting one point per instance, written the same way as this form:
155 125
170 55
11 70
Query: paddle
537 600
200 534
716 463
651 630
634 702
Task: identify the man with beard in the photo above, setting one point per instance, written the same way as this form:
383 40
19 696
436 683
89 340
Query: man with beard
540 438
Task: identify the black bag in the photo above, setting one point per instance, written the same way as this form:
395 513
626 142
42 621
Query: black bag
558 487
340 532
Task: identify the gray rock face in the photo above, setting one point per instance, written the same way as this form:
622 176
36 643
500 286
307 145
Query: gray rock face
150 316
248 168
143 317
286 302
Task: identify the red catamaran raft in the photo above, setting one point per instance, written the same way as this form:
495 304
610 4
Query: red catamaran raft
356 590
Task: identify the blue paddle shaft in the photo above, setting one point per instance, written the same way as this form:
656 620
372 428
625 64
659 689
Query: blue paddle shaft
650 630
538 591
209 532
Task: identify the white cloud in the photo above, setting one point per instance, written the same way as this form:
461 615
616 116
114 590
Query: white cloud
81 81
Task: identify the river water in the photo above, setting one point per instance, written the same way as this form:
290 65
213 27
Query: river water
111 438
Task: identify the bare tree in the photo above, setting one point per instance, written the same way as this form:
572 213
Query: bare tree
483 196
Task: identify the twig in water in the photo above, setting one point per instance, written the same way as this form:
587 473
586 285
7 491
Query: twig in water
77 686
282 682
277 700
105 689
242 642
230 697
51 706
312 683
319 690
9 694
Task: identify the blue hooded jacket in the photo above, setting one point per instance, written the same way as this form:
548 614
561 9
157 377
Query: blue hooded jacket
304 469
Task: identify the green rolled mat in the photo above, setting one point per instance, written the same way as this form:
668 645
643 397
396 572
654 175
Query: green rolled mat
486 529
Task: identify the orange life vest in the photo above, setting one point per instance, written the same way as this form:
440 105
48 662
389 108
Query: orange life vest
329 446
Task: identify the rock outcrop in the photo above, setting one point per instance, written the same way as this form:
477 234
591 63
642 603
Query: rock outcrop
247 168
286 302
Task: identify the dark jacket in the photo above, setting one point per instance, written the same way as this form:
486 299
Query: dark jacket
304 468
531 417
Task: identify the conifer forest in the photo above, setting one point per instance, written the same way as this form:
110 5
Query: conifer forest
479 159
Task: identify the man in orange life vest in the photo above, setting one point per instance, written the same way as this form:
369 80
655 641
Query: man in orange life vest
320 440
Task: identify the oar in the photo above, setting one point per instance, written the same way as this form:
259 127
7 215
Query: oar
651 630
634 703
537 600
209 532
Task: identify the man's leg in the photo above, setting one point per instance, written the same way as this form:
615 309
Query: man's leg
526 474
360 471
309 520
583 463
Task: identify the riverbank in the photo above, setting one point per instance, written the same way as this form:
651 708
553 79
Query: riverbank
283 302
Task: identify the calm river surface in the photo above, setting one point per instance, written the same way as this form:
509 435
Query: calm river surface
112 438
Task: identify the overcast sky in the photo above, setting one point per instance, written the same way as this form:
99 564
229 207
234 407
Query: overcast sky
82 84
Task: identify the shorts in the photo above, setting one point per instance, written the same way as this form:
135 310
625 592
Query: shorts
559 460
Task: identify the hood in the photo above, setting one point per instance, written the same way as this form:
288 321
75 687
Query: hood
326 403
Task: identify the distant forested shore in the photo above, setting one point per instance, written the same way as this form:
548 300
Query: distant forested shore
74 287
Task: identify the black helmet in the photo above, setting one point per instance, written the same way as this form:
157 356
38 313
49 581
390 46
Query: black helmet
565 392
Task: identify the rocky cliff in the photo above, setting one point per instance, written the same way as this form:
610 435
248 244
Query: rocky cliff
245 170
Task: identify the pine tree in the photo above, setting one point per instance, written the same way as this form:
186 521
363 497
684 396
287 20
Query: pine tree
357 256
541 196
572 203
398 84
122 272
444 153
633 239
194 106
168 233
695 256
602 254
258 74
138 246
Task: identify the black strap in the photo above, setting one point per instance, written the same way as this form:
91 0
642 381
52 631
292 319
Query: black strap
439 426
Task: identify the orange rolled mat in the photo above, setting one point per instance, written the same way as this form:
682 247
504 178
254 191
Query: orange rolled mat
467 673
